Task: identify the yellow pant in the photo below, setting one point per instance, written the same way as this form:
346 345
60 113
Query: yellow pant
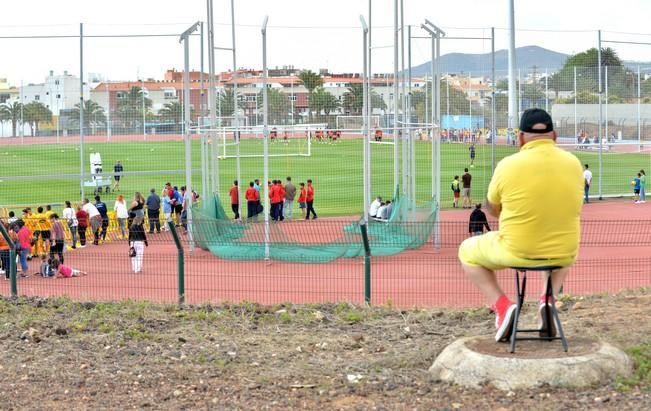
487 251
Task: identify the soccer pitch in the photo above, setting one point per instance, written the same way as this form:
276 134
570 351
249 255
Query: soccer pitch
37 174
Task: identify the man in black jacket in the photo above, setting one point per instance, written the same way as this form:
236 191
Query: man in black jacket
477 222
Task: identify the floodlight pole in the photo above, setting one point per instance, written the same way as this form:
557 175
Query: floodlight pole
601 114
205 173
185 39
396 94
436 34
265 136
236 132
81 110
365 118
512 64
493 106
212 98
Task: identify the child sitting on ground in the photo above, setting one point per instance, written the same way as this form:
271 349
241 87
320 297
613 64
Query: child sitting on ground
45 269
64 271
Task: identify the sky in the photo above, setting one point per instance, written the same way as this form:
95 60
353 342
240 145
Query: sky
303 33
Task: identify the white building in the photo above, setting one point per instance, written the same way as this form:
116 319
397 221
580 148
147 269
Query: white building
58 92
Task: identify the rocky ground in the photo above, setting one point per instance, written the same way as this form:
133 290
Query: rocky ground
58 354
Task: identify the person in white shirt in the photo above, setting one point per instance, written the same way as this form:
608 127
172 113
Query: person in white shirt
587 179
71 219
381 212
95 219
121 213
375 205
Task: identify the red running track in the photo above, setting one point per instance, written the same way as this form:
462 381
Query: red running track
423 277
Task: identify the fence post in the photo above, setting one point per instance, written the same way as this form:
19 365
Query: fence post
12 261
367 263
180 262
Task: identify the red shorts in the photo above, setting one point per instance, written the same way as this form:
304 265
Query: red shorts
456 195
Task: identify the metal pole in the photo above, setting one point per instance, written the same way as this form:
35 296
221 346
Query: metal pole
212 98
512 64
265 136
108 113
601 115
22 119
519 93
185 38
81 110
411 166
403 99
470 101
236 133
576 125
365 136
546 90
639 114
493 106
142 95
396 153
606 102
205 172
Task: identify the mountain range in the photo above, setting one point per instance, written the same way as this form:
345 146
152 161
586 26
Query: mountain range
527 58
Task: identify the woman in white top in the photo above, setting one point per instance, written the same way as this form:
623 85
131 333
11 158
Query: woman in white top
71 219
122 214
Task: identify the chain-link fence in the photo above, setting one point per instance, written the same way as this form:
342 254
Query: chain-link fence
614 255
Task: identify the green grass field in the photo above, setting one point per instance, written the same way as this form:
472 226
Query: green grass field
48 173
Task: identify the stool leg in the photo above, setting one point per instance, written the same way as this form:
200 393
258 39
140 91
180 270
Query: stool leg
549 299
519 299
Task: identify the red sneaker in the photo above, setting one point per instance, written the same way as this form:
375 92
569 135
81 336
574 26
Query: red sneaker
543 324
504 315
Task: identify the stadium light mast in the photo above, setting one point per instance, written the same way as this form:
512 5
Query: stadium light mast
365 119
513 116
436 33
265 135
185 39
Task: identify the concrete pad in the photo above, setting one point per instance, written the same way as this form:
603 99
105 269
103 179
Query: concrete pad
476 361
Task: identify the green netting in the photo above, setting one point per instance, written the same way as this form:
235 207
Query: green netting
310 242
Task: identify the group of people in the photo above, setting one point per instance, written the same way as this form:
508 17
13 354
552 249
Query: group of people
281 199
638 183
380 210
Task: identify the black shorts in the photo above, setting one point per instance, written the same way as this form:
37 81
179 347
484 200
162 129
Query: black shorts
178 208
116 178
635 191
45 234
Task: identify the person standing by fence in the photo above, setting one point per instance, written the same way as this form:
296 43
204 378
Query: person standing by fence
310 201
82 225
103 212
302 199
290 194
642 186
478 221
71 219
234 194
587 182
137 243
153 211
58 239
25 240
121 213
4 254
466 180
252 200
94 218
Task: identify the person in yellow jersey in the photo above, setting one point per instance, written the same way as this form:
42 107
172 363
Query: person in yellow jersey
41 231
30 222
537 196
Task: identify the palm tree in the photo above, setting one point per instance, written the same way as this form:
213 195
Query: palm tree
311 81
225 103
130 108
11 112
324 102
354 99
278 103
93 115
35 113
171 112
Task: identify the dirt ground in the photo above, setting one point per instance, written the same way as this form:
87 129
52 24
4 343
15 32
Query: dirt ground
59 354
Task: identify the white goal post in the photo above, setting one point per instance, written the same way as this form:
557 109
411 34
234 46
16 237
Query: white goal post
355 123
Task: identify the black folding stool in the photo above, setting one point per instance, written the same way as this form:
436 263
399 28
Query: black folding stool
550 312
